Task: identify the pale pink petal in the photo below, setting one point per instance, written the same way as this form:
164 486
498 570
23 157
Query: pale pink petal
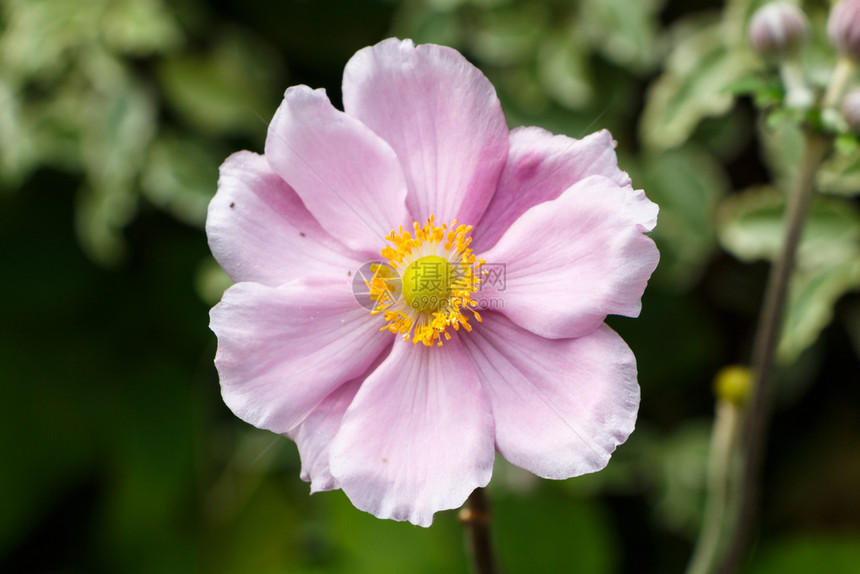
560 406
260 231
441 116
571 261
418 437
282 350
315 434
540 167
313 437
347 177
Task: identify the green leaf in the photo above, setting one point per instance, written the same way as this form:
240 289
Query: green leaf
563 70
140 27
828 258
750 226
840 174
811 302
511 34
625 32
522 94
17 154
696 84
100 215
687 184
684 466
119 126
680 462
424 24
831 236
230 90
765 90
782 145
210 281
181 175
41 35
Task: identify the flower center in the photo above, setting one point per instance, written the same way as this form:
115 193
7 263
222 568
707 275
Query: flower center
427 283
439 274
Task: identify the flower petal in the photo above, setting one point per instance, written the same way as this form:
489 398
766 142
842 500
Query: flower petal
540 167
418 437
282 350
561 406
347 177
571 261
442 117
260 231
313 437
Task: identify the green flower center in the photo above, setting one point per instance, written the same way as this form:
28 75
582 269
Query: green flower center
427 283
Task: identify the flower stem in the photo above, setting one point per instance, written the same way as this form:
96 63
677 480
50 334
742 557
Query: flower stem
722 487
798 95
476 518
764 347
735 16
839 82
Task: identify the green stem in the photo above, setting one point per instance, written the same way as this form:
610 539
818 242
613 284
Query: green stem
798 95
722 480
842 75
764 348
475 517
735 22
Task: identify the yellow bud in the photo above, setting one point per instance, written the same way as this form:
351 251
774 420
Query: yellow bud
733 384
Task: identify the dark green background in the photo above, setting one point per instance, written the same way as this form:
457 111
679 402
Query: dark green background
117 454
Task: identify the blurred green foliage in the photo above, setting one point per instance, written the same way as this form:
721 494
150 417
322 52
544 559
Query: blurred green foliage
134 96
118 455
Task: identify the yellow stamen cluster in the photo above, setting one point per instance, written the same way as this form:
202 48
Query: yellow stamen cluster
428 283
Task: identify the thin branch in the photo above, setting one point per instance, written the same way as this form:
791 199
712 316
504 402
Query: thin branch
764 347
721 504
476 518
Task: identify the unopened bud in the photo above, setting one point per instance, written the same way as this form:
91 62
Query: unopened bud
851 109
843 28
733 384
778 29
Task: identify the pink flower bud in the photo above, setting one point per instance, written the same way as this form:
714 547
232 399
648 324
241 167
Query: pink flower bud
851 109
778 29
843 27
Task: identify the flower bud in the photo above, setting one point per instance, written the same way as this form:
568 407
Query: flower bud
733 384
851 109
778 29
843 27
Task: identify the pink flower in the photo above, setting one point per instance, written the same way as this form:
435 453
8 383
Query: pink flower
843 28
404 407
778 29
